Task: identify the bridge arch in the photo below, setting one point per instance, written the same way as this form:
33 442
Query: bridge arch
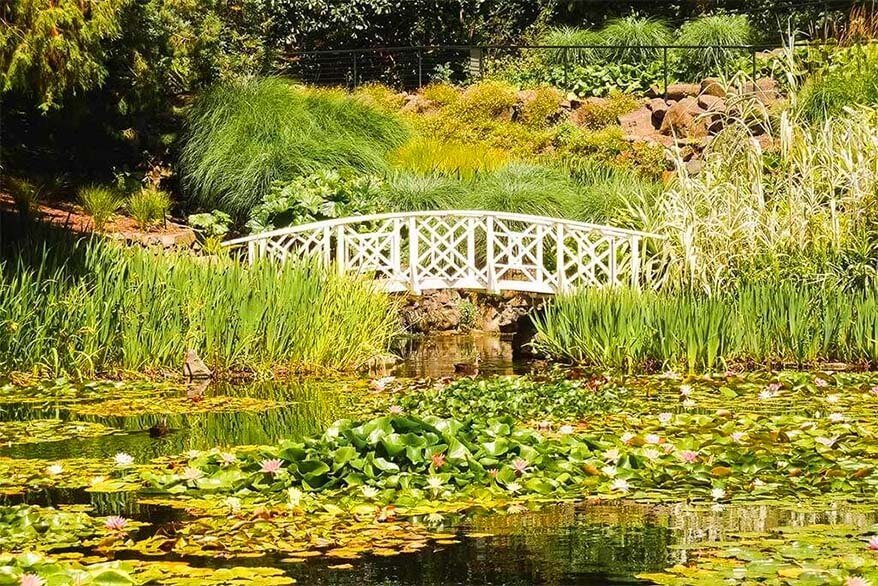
463 249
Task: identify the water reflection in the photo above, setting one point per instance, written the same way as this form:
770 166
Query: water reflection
435 356
307 407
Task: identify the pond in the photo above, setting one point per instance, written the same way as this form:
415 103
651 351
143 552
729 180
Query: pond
57 485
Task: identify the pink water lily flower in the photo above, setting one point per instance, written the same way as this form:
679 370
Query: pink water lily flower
688 456
116 523
395 410
821 382
31 580
272 466
665 418
774 387
874 390
438 459
873 543
519 465
857 581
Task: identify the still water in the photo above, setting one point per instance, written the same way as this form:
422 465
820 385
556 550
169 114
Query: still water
559 544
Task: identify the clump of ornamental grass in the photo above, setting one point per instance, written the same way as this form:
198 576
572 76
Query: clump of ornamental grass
243 136
711 33
407 191
451 159
100 202
149 207
572 45
633 39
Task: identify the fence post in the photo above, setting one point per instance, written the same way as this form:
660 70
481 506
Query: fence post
559 254
564 60
340 250
753 62
420 68
665 69
635 262
355 70
489 245
413 256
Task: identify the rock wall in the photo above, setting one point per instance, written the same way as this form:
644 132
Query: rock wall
451 310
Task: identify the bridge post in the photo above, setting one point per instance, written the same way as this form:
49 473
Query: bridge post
611 263
413 256
340 259
489 245
327 246
559 254
635 262
251 251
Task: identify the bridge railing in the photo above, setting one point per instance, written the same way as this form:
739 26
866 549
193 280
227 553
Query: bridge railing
463 249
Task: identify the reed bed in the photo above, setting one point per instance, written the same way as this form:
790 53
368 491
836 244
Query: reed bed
109 309
755 325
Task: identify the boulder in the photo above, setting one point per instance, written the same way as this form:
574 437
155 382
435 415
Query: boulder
684 119
765 89
194 367
679 91
711 86
637 124
417 104
694 166
658 107
711 103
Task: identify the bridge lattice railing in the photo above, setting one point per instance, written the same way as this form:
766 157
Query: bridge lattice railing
468 249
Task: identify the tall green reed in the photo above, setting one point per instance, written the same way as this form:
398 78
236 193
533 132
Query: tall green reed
139 310
756 324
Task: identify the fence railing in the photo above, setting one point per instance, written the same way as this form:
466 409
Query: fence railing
413 67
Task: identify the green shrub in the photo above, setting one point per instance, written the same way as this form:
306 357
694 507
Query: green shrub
98 308
441 94
486 100
243 136
100 203
539 109
149 207
713 31
379 96
633 35
598 113
211 224
567 36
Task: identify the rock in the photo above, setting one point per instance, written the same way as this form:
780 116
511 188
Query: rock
684 119
654 92
637 124
765 90
712 86
679 91
194 367
658 107
417 104
711 103
694 166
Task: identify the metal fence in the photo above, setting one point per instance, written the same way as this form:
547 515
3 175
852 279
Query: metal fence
409 68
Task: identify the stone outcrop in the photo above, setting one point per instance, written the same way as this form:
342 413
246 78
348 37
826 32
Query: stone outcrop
452 310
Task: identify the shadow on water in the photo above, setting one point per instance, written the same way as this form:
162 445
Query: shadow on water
436 355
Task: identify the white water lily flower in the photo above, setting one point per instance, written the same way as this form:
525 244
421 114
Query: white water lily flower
294 497
55 469
369 492
832 398
718 494
826 441
758 483
122 460
620 485
513 487
435 518
192 454
609 471
651 454
836 417
766 395
665 418
227 459
688 404
565 429
653 438
190 473
434 482
611 455
234 503
685 390
627 437
379 384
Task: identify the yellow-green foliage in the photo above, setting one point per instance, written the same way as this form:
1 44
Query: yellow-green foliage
607 146
538 109
380 96
486 100
597 113
429 156
441 94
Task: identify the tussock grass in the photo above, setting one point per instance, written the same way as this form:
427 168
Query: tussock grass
100 308
714 31
244 135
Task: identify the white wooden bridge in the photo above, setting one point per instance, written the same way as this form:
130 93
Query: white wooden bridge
494 251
